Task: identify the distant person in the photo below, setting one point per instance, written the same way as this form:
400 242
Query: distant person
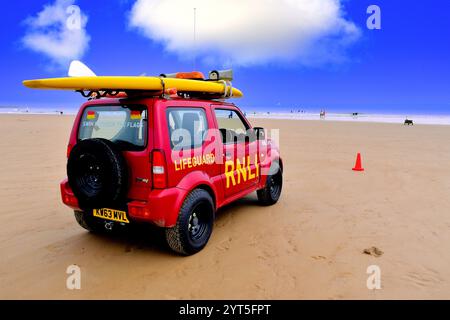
230 115
322 114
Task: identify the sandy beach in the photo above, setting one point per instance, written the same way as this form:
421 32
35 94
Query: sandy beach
309 245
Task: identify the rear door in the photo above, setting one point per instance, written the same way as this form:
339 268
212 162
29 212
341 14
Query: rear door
240 167
127 125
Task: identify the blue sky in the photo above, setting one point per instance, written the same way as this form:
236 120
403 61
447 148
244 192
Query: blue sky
402 68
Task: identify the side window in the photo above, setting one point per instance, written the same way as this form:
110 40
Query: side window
187 127
231 126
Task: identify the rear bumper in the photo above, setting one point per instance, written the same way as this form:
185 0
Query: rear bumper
161 208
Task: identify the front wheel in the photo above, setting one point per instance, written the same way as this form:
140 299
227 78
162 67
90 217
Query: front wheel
194 225
271 192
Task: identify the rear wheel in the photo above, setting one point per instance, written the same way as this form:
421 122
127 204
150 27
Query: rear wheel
89 222
194 225
271 192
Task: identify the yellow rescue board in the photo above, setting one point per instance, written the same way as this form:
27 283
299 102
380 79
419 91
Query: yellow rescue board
130 83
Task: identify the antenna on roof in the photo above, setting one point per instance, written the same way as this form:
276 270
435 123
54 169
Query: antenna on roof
195 46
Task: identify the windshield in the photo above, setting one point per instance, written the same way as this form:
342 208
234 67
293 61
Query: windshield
125 125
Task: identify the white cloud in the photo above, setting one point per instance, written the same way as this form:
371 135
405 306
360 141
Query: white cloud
58 31
238 32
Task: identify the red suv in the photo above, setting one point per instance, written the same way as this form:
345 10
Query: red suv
168 161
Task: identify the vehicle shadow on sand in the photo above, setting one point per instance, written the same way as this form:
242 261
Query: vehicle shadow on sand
150 238
237 207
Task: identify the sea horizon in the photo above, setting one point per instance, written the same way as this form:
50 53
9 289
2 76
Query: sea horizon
249 110
275 113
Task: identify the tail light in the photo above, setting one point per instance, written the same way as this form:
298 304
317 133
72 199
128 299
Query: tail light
159 169
67 195
70 200
69 149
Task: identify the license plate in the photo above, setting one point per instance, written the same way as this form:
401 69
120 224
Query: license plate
111 214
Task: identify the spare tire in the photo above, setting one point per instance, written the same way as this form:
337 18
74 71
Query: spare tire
97 173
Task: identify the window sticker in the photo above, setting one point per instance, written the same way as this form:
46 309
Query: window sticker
90 115
135 115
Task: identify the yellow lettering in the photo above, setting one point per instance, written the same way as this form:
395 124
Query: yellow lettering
229 173
194 161
250 174
257 165
241 170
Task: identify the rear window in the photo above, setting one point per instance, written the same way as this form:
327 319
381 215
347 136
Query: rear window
124 125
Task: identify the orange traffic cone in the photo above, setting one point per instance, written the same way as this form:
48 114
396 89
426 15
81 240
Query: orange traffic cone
358 166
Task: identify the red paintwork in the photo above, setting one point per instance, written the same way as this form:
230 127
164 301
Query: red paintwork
161 206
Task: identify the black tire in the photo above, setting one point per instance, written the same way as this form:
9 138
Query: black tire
194 225
88 222
97 173
270 194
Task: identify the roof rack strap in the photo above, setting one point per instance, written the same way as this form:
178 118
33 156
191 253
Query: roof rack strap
227 89
163 85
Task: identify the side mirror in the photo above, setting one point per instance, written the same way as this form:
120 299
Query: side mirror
260 133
